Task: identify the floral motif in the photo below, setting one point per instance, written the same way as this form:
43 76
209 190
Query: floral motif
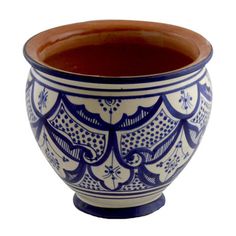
185 100
112 172
110 105
171 164
42 99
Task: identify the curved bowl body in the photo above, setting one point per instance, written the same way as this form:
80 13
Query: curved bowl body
118 144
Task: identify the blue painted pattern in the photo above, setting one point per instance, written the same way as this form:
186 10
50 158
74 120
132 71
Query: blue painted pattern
121 144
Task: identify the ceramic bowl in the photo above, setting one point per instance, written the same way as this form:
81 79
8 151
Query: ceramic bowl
118 108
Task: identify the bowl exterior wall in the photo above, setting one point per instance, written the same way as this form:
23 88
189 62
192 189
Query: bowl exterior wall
118 144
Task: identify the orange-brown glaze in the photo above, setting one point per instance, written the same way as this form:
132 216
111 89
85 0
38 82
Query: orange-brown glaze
118 60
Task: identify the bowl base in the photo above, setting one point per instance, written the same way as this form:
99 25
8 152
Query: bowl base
119 213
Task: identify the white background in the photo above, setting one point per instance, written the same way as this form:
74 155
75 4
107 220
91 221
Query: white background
34 201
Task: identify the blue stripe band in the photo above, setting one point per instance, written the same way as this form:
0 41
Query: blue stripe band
120 95
112 90
116 198
119 194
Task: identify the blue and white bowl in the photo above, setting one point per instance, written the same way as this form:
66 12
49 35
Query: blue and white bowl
118 140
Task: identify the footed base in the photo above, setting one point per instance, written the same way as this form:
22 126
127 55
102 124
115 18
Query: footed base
120 213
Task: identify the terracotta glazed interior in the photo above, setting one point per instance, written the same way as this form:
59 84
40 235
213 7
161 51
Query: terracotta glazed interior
118 59
117 48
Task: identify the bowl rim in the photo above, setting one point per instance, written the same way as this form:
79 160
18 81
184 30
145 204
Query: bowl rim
35 43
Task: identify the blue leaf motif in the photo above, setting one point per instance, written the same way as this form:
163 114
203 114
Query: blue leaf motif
185 100
43 97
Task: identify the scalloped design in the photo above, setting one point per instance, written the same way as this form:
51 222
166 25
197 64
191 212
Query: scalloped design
119 144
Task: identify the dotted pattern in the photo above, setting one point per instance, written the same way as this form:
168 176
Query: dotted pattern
149 135
202 116
31 114
89 183
78 133
136 184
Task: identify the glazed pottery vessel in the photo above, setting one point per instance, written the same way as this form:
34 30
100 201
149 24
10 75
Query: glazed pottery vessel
118 108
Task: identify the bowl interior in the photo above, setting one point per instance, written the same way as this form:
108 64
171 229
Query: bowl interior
117 48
